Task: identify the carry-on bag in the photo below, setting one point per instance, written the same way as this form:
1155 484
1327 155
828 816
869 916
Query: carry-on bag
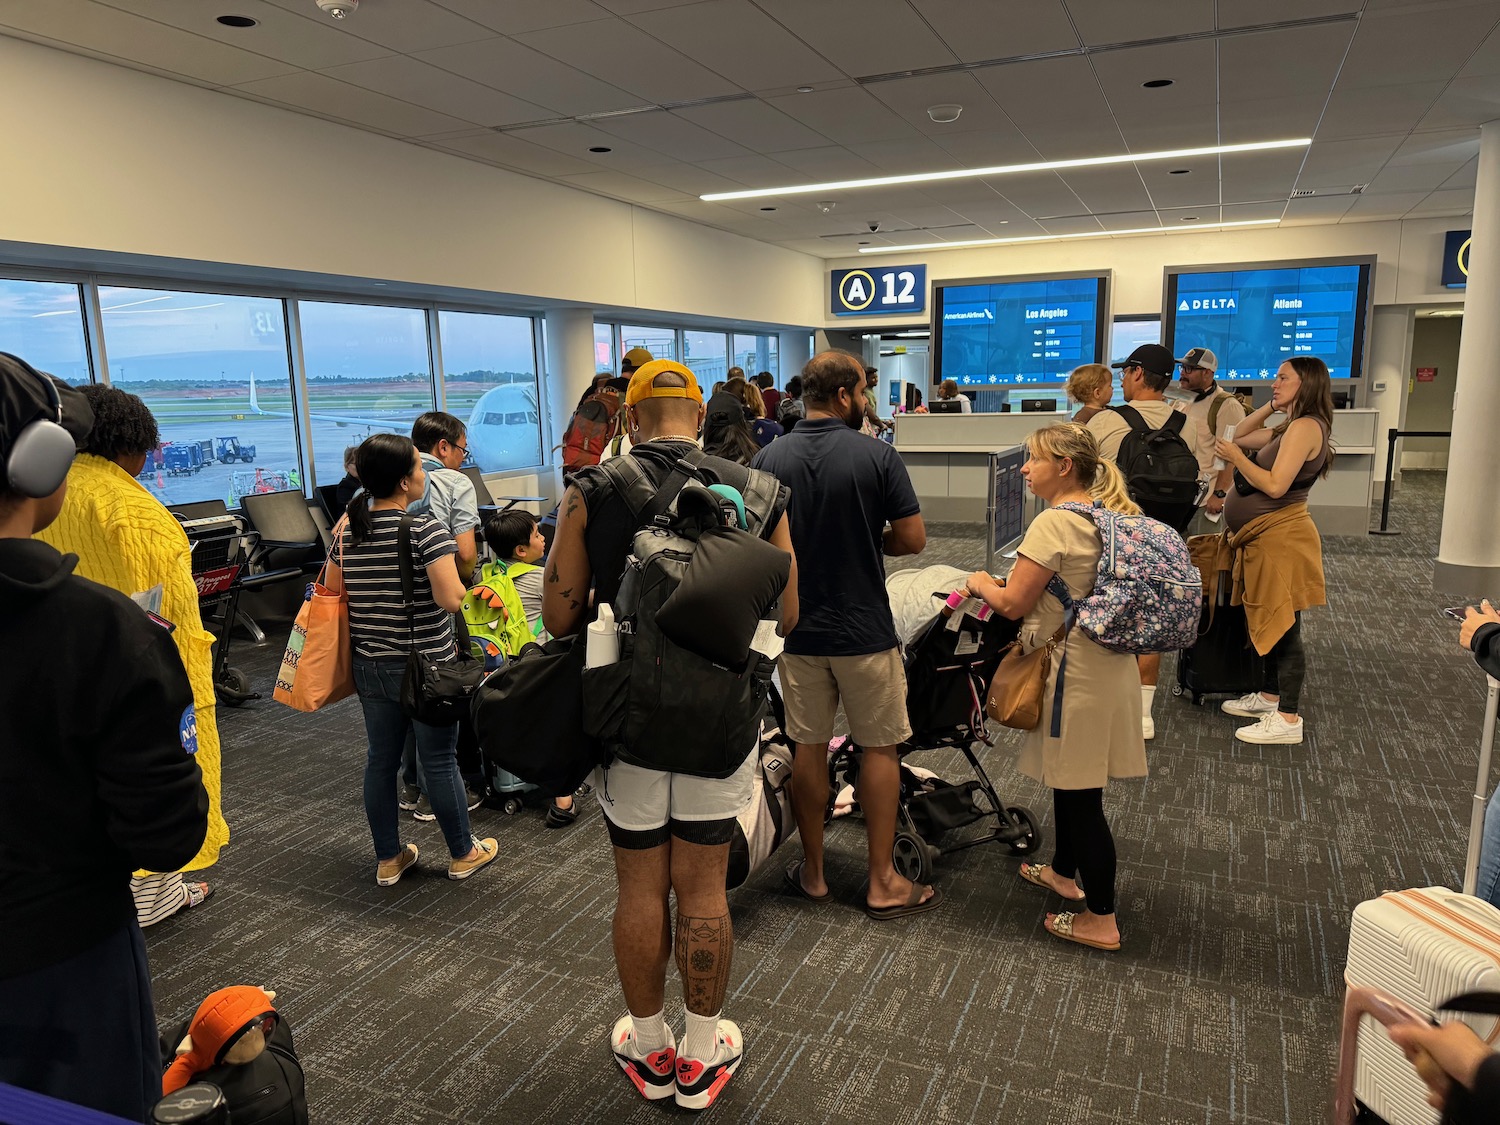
1222 661
767 821
317 667
1423 947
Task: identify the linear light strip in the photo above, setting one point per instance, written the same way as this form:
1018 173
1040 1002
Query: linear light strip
1007 169
1060 237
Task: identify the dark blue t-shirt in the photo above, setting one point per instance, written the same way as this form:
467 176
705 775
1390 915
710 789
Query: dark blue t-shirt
845 488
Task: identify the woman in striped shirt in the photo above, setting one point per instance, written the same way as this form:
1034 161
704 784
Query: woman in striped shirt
383 630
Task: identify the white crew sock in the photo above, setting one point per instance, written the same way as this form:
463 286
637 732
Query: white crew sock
650 1032
701 1041
1148 697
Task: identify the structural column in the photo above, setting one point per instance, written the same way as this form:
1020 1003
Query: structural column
1389 366
1468 561
569 336
792 353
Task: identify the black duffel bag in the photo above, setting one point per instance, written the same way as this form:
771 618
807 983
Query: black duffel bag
435 692
528 717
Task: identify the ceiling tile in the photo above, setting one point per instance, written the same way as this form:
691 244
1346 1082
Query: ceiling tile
1130 220
1485 62
513 17
1038 194
689 178
1164 134
1198 188
1344 163
972 33
1376 110
1467 101
134 39
503 64
905 157
988 150
754 124
1108 188
1391 206
1264 119
1248 13
509 149
1303 60
330 98
753 171
1466 177
411 25
412 80
1448 146
1411 177
863 37
1445 203
1248 212
764 55
1415 46
1072 224
1108 21
620 186
670 134
1192 67
1318 209
575 140
968 196
1071 121
279 34
911 98
625 56
1249 176
831 163
847 115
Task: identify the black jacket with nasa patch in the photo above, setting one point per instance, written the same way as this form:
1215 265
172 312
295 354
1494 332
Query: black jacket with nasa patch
97 777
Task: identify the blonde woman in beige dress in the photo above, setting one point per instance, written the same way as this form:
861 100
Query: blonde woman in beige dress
1100 733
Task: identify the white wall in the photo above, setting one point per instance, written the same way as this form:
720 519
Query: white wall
100 157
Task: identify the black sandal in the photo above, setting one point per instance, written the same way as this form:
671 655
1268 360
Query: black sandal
561 818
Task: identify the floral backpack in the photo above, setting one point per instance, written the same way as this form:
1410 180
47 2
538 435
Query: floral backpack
1148 595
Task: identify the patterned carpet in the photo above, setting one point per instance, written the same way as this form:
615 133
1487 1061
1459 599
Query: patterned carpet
489 1000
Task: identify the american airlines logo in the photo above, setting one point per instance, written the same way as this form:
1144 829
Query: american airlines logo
972 314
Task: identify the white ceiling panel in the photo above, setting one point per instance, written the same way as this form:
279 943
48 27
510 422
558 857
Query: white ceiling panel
1318 209
1485 62
504 64
331 98
754 124
1278 64
412 80
1071 121
575 140
863 37
411 25
1130 220
1250 176
1453 145
1113 188
1411 177
1405 46
513 17
670 134
1191 66
753 171
967 196
625 56
632 7
1247 13
1264 119
1445 203
1467 101
986 150
1250 212
829 163
509 149
905 157
621 186
972 32
1108 21
1391 206
1199 187
1163 134
1466 177
1072 224
1376 110
122 35
689 178
846 115
1344 163
278 34
912 97
1039 193
747 46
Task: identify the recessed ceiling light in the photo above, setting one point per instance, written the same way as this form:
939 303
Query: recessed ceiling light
1190 218
237 21
600 148
1061 237
804 89
1157 83
866 244
1006 169
768 208
1179 171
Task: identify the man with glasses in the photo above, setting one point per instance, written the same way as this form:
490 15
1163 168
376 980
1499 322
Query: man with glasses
1211 410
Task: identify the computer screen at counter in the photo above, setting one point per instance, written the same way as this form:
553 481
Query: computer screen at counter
1015 333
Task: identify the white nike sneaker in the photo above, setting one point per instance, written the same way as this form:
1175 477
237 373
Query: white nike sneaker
1272 730
1251 706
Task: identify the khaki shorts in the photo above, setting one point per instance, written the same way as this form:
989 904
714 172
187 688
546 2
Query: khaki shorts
872 689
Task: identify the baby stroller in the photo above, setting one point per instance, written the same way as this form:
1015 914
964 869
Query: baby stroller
947 675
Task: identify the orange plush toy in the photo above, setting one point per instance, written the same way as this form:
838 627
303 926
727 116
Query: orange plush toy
231 1026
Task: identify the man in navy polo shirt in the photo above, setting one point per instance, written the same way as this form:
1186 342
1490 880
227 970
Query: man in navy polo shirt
846 489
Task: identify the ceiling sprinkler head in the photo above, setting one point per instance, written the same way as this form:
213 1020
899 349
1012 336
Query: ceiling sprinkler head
338 9
827 205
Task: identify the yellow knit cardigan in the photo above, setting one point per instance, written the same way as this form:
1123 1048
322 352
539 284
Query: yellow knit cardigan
126 540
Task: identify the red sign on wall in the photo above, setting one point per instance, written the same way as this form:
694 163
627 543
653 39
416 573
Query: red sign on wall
1426 374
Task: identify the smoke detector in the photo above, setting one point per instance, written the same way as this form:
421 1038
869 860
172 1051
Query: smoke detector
338 9
944 114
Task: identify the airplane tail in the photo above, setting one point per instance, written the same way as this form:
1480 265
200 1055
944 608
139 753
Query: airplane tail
254 402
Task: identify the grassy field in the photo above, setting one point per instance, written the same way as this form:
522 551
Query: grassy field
231 401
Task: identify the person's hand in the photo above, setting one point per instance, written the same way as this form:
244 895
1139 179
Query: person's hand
1442 1055
980 583
1473 618
1231 453
1215 504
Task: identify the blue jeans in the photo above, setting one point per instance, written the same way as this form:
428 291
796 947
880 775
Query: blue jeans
378 683
1488 885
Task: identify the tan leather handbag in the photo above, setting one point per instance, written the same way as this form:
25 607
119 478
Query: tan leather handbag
1019 686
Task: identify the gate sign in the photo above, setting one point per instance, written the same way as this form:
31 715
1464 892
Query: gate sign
1456 259
875 292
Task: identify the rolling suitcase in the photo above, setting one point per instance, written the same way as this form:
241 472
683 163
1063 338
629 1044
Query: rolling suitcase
1223 661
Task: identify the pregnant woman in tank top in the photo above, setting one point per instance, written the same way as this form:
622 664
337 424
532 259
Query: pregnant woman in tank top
1275 470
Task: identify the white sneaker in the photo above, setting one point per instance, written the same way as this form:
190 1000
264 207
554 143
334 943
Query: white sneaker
653 1073
1272 729
1148 727
1251 706
700 1081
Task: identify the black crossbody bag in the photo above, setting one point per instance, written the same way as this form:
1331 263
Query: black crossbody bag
432 691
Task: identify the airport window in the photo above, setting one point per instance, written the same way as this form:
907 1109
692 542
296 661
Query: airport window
42 322
756 354
707 355
604 349
660 342
213 369
369 371
489 380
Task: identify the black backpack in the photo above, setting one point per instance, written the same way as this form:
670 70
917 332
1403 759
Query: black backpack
268 1090
1160 468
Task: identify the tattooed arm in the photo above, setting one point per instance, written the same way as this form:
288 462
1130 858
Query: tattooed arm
565 587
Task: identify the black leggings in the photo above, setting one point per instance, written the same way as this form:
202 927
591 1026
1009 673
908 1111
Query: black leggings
1286 666
1085 846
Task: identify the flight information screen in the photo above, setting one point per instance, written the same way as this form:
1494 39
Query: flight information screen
1013 333
1252 320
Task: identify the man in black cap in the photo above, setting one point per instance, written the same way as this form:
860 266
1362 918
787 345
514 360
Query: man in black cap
97 779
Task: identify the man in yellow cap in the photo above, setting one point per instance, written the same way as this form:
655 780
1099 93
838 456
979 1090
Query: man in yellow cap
671 831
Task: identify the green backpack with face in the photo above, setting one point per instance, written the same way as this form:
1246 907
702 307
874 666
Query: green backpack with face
493 612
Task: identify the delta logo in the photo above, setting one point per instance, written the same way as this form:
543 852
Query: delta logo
1210 303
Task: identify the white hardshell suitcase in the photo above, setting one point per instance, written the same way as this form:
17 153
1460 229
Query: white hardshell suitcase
1423 947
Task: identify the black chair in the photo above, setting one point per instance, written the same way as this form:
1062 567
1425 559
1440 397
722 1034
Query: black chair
481 490
289 544
328 497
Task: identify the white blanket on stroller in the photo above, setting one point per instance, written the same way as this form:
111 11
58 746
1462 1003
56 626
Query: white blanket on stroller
910 592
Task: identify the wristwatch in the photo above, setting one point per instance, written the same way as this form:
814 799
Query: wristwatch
1220 493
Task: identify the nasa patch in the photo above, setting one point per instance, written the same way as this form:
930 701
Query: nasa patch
187 730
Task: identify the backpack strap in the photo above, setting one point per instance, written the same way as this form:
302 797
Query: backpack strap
1220 395
763 496
408 579
1132 418
644 499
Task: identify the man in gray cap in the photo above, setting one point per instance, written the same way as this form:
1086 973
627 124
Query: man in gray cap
1211 410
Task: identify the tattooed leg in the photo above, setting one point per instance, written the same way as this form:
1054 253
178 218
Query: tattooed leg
705 947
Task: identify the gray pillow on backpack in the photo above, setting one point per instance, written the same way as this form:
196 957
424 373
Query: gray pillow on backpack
734 580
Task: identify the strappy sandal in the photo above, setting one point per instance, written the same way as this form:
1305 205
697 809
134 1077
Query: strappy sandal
197 894
1061 925
1033 873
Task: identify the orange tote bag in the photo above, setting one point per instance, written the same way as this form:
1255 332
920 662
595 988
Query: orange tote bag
317 667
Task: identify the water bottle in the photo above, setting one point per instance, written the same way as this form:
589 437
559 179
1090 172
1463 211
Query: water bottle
603 646
1219 462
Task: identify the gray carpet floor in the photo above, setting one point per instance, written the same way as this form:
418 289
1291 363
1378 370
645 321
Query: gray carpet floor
490 1000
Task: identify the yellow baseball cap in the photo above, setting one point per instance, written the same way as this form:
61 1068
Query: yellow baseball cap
642 383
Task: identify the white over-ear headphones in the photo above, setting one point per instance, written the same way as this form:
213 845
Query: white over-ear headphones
41 455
